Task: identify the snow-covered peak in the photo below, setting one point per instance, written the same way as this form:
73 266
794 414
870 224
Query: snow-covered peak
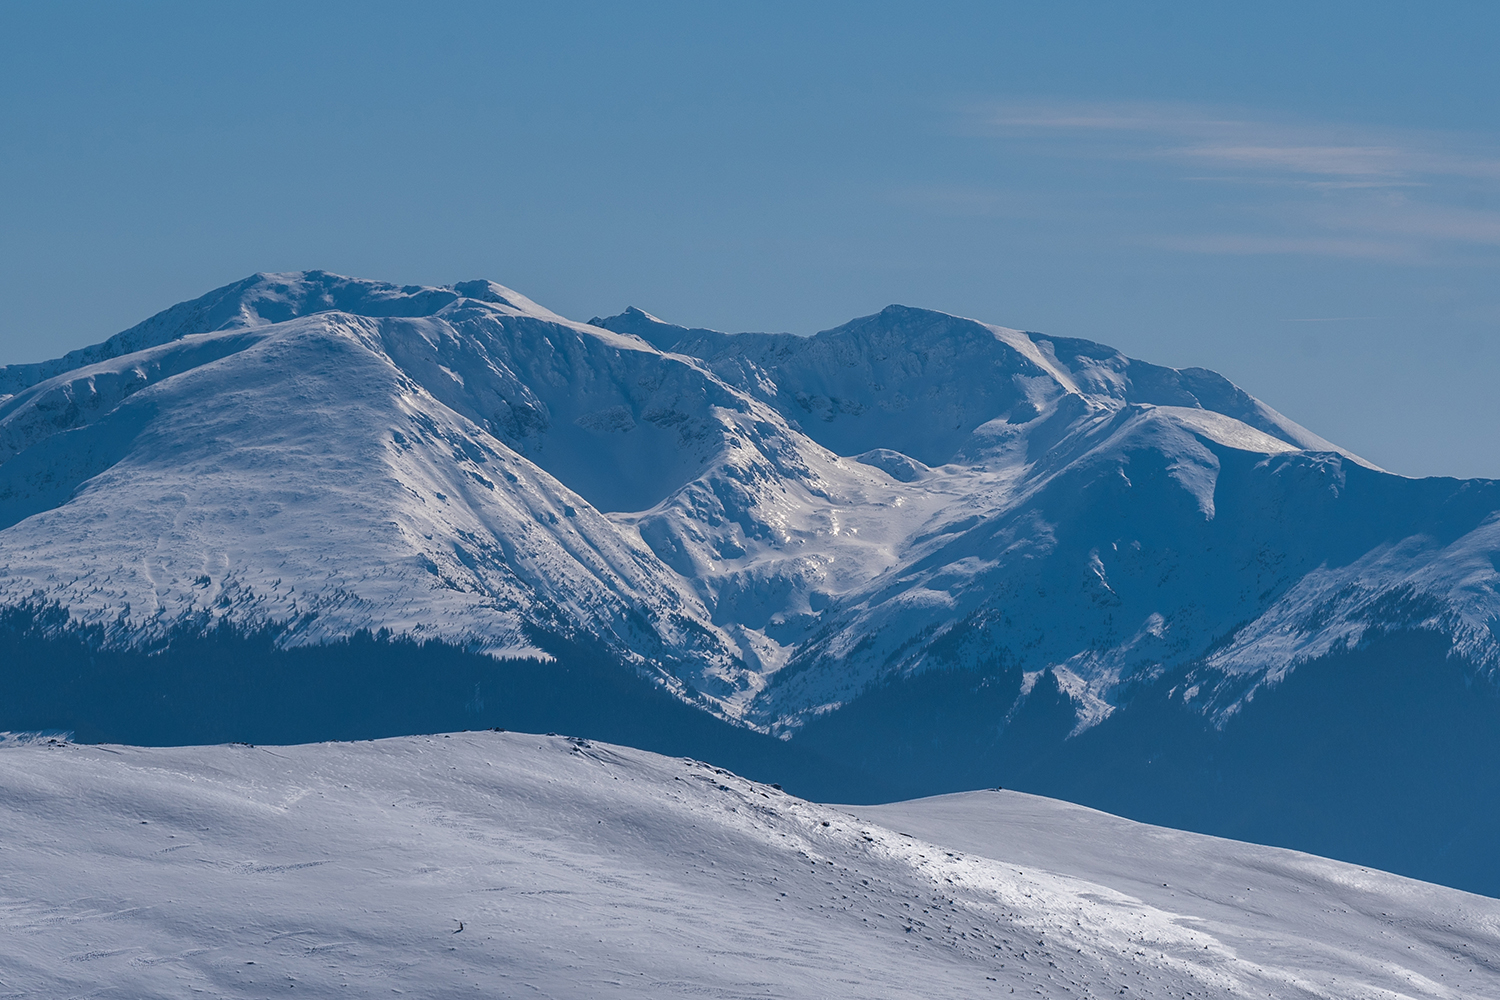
922 382
1107 373
492 291
696 342
267 298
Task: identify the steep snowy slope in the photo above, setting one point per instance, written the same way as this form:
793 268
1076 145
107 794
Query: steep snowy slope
1056 506
512 865
1157 547
293 473
330 454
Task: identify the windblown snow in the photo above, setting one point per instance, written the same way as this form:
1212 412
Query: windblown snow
509 865
766 523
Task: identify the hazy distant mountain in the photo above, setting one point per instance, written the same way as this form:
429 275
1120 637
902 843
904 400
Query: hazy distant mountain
937 553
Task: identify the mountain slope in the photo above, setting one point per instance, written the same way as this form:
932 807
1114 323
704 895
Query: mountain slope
514 865
294 474
1065 508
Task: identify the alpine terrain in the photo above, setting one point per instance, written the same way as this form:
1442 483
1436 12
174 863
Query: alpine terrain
914 554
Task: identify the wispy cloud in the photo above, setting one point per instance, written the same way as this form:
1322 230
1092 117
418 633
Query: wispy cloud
1327 149
1347 191
1251 245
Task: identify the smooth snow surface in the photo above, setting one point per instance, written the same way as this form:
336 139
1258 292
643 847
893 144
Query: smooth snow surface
487 864
1336 923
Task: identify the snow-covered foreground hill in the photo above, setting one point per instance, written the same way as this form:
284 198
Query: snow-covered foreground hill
490 864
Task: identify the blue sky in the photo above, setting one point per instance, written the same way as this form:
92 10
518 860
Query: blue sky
1305 197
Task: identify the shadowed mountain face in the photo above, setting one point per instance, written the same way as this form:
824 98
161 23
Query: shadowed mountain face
929 551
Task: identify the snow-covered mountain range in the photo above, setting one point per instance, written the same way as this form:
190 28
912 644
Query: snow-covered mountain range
789 532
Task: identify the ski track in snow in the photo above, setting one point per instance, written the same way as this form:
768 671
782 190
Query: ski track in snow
579 869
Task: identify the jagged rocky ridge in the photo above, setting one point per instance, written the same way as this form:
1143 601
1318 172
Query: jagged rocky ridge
783 530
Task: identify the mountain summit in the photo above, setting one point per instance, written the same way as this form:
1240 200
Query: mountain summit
937 552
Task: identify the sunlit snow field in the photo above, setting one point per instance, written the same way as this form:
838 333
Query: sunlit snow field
502 864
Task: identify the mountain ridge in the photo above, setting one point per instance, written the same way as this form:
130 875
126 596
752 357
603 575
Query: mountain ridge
1001 412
